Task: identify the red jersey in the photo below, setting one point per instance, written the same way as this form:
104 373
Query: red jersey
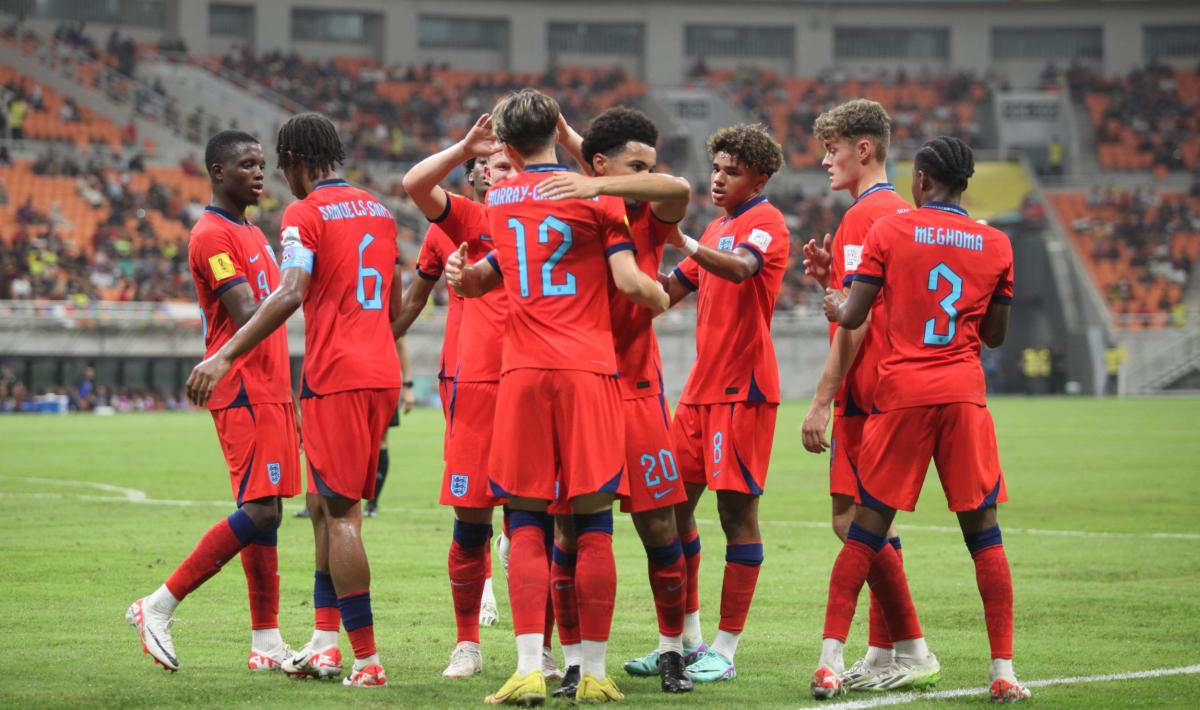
735 357
346 240
224 251
939 270
857 392
481 335
553 256
638 358
431 261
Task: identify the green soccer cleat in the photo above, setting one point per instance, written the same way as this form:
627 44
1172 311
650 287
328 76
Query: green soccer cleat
647 665
711 667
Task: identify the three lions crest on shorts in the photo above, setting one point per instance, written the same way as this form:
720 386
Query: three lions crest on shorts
274 472
459 484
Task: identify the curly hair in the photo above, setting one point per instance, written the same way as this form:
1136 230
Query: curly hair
610 131
948 160
309 139
860 118
749 144
527 120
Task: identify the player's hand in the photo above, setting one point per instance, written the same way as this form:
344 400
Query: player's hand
568 186
818 258
204 378
480 141
662 300
408 399
675 238
833 304
454 267
565 132
813 429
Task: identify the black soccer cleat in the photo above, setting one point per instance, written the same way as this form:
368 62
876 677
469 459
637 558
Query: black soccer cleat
673 673
570 683
371 509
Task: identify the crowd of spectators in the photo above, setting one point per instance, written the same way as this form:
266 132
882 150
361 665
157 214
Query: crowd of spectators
84 396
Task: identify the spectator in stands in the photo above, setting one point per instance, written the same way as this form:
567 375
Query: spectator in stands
83 393
3 194
17 110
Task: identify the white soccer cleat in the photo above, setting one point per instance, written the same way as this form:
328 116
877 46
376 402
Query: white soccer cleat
906 672
826 684
550 668
862 673
1008 690
465 661
271 660
319 663
371 676
489 614
154 630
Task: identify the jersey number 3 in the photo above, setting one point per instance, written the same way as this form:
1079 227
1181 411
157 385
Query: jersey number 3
549 287
949 305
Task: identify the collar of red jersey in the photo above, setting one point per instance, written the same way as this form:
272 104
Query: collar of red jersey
746 207
545 168
226 215
876 188
335 182
945 207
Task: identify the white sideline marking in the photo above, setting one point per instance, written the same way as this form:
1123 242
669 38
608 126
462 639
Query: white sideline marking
905 698
133 495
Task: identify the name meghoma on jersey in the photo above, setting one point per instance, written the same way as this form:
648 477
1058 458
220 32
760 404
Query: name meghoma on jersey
353 208
946 237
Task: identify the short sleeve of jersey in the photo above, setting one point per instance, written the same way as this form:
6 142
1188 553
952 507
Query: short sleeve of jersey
847 250
1004 288
298 236
432 258
614 225
214 261
458 218
763 238
688 273
871 267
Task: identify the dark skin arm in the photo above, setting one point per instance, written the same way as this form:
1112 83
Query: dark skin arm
994 328
850 311
736 266
395 300
676 291
271 313
240 303
416 296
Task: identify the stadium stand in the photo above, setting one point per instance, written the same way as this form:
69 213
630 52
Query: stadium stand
1139 247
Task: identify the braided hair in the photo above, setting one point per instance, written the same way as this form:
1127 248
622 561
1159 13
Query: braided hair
947 160
309 139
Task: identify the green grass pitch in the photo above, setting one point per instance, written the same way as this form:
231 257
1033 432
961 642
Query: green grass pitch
1119 592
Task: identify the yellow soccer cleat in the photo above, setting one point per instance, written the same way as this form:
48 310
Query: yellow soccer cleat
524 690
598 691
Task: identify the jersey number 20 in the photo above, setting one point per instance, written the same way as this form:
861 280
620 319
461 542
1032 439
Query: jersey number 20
549 287
949 304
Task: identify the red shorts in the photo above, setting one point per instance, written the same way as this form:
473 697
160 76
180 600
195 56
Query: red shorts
557 432
446 395
468 444
959 437
845 446
726 446
653 473
261 449
342 432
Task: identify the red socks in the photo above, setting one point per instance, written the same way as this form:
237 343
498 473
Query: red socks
742 563
468 565
260 562
216 547
528 571
890 587
691 558
668 577
562 593
359 622
325 603
595 575
994 578
846 581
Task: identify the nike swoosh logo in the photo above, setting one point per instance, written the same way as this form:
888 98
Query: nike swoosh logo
676 588
718 472
254 258
663 493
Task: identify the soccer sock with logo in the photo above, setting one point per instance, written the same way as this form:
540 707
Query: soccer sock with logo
328 616
994 578
468 557
692 635
668 577
562 593
890 586
260 562
847 579
595 587
358 622
742 564
216 547
529 585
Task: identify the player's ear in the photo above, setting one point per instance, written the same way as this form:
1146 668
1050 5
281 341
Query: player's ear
599 164
864 150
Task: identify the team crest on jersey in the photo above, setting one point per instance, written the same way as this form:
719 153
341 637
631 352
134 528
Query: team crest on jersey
274 472
725 244
459 484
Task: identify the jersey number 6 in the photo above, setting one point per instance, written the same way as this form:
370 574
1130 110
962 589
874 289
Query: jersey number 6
375 302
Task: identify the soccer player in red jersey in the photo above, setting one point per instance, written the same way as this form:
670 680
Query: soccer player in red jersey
234 270
946 283
340 262
725 420
619 152
558 427
856 136
475 378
